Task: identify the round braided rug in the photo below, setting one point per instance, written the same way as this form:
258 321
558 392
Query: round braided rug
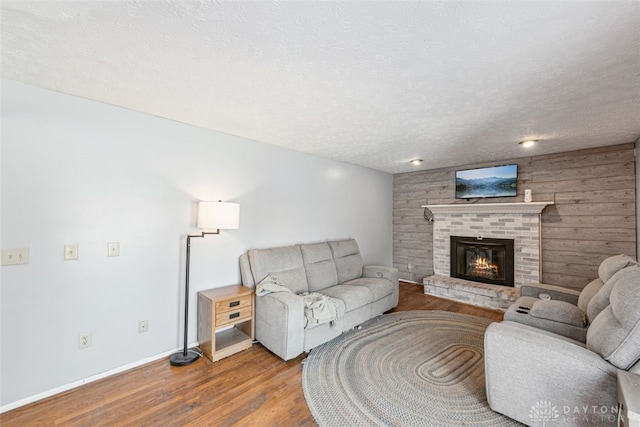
411 368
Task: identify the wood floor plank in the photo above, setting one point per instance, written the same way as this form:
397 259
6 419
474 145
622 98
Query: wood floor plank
251 388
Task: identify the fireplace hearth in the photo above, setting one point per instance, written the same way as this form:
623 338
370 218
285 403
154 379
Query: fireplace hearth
482 260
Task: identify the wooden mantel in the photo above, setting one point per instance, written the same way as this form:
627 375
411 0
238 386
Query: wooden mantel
489 208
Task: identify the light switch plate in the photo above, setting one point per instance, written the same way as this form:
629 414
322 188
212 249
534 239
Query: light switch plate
15 256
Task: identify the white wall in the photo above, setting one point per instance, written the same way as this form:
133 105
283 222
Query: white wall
78 171
638 197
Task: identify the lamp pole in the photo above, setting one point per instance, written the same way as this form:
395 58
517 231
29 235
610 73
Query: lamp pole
187 356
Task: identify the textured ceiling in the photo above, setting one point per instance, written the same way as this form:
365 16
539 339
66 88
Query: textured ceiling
374 83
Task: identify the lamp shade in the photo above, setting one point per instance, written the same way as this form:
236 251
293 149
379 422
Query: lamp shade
220 215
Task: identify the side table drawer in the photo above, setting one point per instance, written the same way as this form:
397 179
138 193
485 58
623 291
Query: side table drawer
231 317
233 303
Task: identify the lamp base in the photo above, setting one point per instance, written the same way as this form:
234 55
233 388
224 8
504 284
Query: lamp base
180 359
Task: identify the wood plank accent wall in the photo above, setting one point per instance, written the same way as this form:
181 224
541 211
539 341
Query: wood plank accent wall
594 215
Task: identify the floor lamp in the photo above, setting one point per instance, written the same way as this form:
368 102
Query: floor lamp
211 215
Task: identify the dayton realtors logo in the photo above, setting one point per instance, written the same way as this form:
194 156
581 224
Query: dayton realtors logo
545 412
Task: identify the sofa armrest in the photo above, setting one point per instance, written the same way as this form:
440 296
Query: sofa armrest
557 293
245 272
559 311
280 323
382 272
525 367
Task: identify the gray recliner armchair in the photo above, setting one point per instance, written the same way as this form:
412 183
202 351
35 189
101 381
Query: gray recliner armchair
536 376
565 311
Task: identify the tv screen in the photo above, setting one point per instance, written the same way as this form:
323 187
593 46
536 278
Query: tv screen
495 181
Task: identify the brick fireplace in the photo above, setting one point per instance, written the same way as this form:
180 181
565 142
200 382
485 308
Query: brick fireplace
517 221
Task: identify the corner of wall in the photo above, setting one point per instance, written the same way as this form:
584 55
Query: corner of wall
637 150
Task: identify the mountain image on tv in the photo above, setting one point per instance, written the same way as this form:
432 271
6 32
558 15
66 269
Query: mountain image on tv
498 181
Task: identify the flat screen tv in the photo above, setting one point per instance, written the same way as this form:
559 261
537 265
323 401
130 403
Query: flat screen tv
495 181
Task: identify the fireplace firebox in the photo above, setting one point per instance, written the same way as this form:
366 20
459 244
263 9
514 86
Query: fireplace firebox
482 260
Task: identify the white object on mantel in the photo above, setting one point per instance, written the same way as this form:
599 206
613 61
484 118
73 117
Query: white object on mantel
527 196
489 208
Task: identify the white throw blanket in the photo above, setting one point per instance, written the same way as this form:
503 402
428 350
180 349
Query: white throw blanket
318 308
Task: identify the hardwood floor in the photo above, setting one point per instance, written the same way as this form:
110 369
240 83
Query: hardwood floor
253 387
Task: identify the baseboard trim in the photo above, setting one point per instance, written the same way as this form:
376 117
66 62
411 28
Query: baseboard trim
410 282
75 384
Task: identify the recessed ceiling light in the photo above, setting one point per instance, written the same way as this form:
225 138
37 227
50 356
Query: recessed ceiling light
528 143
416 162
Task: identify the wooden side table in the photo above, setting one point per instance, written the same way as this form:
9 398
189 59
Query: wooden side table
628 399
225 321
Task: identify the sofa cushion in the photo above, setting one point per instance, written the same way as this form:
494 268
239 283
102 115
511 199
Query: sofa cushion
285 263
348 260
294 279
615 332
319 266
353 296
379 288
588 292
612 265
601 299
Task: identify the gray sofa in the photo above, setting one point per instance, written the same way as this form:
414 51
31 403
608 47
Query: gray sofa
535 375
333 269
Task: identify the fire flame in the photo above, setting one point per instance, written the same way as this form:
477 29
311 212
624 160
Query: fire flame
482 263
480 266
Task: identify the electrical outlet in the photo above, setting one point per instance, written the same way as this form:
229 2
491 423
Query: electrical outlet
409 266
70 251
143 326
15 256
113 249
84 341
